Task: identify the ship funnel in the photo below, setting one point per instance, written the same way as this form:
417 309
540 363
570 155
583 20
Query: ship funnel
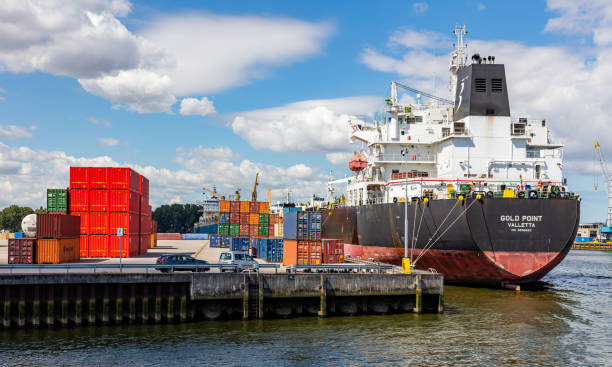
481 90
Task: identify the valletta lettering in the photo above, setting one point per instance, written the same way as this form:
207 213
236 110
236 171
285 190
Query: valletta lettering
521 223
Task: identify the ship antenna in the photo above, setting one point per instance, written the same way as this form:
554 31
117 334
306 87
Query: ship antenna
458 58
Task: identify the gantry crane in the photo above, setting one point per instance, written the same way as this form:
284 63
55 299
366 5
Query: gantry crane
254 195
607 180
214 193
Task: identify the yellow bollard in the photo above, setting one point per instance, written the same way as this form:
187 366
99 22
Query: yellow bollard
406 266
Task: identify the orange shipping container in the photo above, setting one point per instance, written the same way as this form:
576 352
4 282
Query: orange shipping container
264 207
98 245
56 251
224 206
254 219
83 248
244 206
289 252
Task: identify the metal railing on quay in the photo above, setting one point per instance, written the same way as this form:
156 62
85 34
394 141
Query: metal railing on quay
359 268
40 268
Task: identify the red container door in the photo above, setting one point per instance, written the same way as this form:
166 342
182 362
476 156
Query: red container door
124 179
79 200
84 226
127 246
79 177
128 221
99 200
124 201
144 186
83 248
98 246
99 178
99 223
244 229
144 244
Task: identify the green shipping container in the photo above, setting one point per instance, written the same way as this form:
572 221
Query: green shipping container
224 229
57 200
264 218
263 230
234 229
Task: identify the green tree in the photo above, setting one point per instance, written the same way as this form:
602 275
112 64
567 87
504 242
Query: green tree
176 218
10 218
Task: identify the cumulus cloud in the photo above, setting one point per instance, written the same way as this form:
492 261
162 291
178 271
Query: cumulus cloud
307 126
176 55
25 174
99 121
194 106
108 142
12 132
339 158
420 7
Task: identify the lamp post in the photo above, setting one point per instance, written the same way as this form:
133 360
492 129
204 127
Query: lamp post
406 265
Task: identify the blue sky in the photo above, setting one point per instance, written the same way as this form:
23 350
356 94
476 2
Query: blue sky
103 82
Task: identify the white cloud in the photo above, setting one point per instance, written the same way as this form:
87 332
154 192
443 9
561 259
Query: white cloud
420 7
108 142
418 39
176 55
25 174
480 6
99 121
12 132
339 158
194 106
307 126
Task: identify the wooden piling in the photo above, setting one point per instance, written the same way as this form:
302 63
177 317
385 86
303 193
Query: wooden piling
91 307
132 304
36 316
21 307
51 306
105 305
144 313
6 307
78 305
158 304
170 300
323 292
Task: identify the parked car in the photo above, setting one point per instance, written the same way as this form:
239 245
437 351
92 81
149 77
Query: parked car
240 258
181 259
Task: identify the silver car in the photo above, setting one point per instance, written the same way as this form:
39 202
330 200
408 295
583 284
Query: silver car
243 261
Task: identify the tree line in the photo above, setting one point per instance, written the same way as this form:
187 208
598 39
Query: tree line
177 218
11 217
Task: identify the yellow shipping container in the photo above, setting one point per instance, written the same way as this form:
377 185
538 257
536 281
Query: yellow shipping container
4 236
56 251
253 219
224 206
244 206
264 207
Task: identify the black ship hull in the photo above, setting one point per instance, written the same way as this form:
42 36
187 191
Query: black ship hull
479 242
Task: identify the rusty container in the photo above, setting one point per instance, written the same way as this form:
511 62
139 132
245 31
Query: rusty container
253 207
21 250
58 226
235 206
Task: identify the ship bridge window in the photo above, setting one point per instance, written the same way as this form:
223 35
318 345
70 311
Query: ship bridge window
518 128
496 85
480 85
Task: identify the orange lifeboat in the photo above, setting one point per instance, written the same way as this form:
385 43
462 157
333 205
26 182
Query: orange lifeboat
357 163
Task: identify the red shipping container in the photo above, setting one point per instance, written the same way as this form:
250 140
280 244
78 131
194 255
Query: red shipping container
254 207
99 223
124 201
84 221
124 179
99 178
57 226
145 224
235 206
253 230
144 186
83 248
153 226
144 244
99 200
244 229
244 218
169 236
333 250
79 200
128 221
79 177
97 245
144 203
235 218
129 246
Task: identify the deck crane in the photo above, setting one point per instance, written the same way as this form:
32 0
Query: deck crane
214 193
607 180
254 195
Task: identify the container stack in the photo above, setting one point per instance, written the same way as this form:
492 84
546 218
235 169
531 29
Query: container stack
21 250
58 238
108 198
57 201
303 244
268 249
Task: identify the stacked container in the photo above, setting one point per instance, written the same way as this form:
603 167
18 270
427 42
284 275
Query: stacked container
21 250
57 201
303 246
242 219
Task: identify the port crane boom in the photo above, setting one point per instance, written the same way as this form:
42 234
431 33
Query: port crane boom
607 180
214 193
254 195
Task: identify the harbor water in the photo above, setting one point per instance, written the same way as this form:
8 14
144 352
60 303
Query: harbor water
564 320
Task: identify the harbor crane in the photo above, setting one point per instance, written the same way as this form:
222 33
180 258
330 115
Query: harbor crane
607 180
254 195
214 193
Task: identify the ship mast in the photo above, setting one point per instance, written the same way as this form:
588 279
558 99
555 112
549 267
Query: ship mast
458 57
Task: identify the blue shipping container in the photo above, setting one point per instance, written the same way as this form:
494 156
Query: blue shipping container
226 241
240 244
195 236
291 210
224 218
314 226
215 241
584 239
290 225
210 229
18 235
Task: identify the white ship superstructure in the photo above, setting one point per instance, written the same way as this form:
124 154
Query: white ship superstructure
434 149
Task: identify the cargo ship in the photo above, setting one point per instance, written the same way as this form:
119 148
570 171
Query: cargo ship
466 188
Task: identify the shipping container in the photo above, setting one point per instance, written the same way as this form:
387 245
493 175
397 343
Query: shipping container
223 229
263 230
290 226
168 236
195 236
83 246
143 245
309 253
235 218
234 229
215 241
244 207
57 200
79 200
254 219
99 201
226 241
99 223
271 230
224 206
235 206
79 178
273 218
127 246
58 226
144 186
128 221
124 201
145 224
99 178
254 207
84 222
244 230
18 235
224 218
98 245
144 204
253 230
122 178
21 250
244 218
57 250
264 218
153 240
264 207
333 250
314 226
240 244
